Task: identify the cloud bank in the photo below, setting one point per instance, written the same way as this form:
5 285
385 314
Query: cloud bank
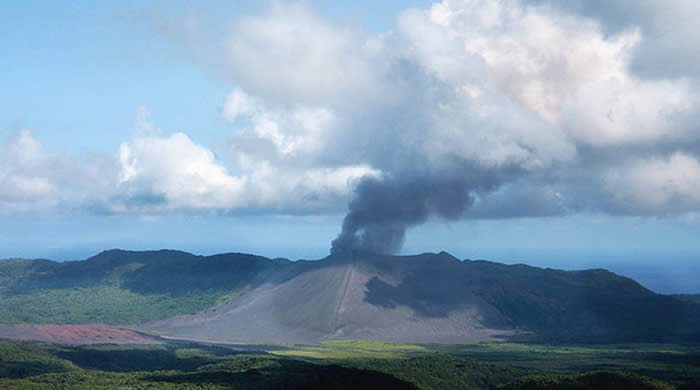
468 109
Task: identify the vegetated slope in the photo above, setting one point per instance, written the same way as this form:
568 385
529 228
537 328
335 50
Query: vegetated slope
591 305
30 366
595 380
694 298
122 287
438 298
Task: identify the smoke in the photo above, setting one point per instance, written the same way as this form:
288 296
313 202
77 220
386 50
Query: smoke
469 109
384 208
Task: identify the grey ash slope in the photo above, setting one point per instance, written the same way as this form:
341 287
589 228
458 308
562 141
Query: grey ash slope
437 298
333 298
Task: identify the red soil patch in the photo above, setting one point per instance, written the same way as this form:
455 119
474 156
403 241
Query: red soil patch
76 334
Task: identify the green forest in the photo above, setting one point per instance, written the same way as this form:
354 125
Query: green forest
348 365
121 287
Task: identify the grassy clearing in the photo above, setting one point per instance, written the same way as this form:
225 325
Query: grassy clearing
353 349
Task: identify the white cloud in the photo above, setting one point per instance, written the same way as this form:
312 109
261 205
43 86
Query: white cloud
185 174
30 178
238 104
161 174
506 87
657 185
669 30
562 67
502 92
291 54
153 174
291 134
304 191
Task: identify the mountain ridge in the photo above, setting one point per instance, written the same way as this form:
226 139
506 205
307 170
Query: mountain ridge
428 297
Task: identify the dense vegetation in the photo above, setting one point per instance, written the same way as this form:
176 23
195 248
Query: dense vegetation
692 298
675 364
122 287
338 365
596 380
573 306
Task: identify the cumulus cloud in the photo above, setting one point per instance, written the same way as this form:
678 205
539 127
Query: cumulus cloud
467 109
497 100
292 54
281 151
162 174
238 104
155 174
30 177
562 67
656 185
175 173
669 30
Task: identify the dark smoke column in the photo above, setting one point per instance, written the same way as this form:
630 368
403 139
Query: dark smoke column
383 209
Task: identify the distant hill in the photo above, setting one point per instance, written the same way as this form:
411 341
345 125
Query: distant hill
423 298
123 287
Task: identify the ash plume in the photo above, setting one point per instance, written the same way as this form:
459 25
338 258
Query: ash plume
382 209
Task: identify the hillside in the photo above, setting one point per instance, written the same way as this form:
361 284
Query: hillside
422 298
122 287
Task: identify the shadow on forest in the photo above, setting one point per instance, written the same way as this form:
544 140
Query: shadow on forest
130 360
17 369
290 374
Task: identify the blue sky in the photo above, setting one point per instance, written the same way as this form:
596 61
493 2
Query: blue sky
105 105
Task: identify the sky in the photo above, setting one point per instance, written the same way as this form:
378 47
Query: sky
559 134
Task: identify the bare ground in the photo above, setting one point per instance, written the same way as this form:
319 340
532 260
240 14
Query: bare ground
76 334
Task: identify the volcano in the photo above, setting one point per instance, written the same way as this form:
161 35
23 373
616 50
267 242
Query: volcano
434 298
